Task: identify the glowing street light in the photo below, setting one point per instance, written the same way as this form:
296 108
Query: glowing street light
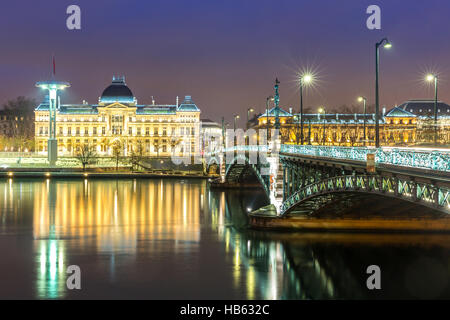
249 110
305 79
387 45
430 78
321 110
364 100
235 118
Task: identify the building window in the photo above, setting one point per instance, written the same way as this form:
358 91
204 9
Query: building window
94 130
86 131
69 131
103 130
138 131
130 131
147 131
78 131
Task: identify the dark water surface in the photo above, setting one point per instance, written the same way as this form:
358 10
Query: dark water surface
176 239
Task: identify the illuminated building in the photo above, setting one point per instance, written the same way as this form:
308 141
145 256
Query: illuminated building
118 119
408 123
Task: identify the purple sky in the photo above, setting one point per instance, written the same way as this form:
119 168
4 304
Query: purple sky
226 54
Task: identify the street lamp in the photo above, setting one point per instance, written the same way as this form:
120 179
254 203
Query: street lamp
364 100
387 45
322 110
268 99
248 115
430 78
235 118
304 80
52 87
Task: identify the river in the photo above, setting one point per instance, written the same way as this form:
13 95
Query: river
176 239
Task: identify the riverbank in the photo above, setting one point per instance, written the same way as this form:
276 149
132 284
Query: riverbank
46 173
264 221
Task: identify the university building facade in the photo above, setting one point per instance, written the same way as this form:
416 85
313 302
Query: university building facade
118 121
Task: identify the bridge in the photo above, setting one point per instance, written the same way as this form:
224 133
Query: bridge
292 175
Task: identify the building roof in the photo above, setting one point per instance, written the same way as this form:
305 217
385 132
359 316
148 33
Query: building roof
399 112
207 123
188 105
339 118
117 92
425 108
282 113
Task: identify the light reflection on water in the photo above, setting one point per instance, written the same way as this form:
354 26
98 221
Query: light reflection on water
177 239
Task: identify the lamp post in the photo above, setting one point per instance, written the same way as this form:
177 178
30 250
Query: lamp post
386 44
364 100
430 78
304 79
53 104
235 118
322 110
249 110
268 99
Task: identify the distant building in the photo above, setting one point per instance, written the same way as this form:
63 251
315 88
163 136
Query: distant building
118 119
410 123
211 133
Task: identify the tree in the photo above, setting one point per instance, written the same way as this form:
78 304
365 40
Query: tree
20 121
86 155
157 145
117 148
137 154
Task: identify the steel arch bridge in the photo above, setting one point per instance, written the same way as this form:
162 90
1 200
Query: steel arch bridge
433 196
297 174
240 169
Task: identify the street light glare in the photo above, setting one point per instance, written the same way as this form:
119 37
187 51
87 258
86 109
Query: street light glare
321 110
307 78
430 77
360 99
388 45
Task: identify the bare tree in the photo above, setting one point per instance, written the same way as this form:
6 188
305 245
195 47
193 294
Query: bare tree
137 154
86 155
117 149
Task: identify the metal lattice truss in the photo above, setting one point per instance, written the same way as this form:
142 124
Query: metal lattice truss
240 163
438 160
434 196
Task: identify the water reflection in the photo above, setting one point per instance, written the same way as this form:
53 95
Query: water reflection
178 239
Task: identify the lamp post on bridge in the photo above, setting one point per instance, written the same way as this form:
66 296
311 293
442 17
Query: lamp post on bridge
386 44
268 99
430 78
304 79
322 110
364 100
249 110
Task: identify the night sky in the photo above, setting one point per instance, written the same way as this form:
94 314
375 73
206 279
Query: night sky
226 54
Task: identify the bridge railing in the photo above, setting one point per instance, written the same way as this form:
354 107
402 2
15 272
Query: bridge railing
438 160
243 148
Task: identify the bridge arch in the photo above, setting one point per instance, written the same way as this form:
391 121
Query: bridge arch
240 168
432 196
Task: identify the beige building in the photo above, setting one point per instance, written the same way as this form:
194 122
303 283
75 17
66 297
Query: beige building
119 121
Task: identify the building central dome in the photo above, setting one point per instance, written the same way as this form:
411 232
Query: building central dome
117 92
